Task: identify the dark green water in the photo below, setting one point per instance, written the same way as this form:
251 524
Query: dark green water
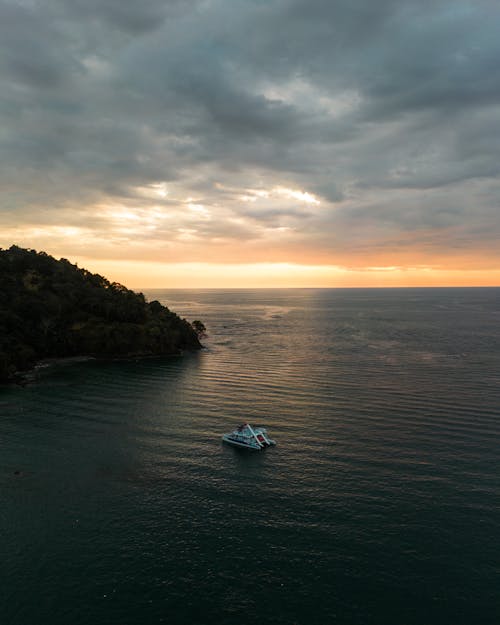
380 504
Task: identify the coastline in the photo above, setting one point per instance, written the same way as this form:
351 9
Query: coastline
23 378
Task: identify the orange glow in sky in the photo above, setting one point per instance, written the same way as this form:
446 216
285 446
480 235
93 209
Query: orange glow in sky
278 259
143 275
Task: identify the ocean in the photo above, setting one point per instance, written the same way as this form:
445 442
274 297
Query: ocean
380 504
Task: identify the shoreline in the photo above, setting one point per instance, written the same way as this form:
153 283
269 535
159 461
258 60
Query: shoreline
23 378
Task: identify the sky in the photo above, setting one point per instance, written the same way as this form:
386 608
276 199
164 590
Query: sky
247 143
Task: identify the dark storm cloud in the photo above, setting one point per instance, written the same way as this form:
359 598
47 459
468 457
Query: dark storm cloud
373 107
134 18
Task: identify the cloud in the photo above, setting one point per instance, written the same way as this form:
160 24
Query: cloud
383 112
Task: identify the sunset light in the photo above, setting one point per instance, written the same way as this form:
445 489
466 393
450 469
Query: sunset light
339 160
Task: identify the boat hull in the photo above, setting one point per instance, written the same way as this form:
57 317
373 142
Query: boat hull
246 437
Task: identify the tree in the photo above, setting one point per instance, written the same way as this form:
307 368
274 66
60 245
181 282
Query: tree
199 328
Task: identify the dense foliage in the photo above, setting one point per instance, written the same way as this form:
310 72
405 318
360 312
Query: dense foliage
50 308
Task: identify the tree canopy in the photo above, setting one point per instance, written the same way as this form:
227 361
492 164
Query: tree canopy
51 308
199 328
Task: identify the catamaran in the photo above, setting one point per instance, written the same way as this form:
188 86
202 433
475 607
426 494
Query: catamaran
250 438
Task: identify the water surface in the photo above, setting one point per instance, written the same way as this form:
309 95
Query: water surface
380 504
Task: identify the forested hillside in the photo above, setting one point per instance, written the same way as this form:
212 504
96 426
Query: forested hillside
51 308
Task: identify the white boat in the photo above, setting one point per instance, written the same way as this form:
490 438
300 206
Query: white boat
250 438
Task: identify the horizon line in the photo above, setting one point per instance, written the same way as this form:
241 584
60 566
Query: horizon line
311 288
